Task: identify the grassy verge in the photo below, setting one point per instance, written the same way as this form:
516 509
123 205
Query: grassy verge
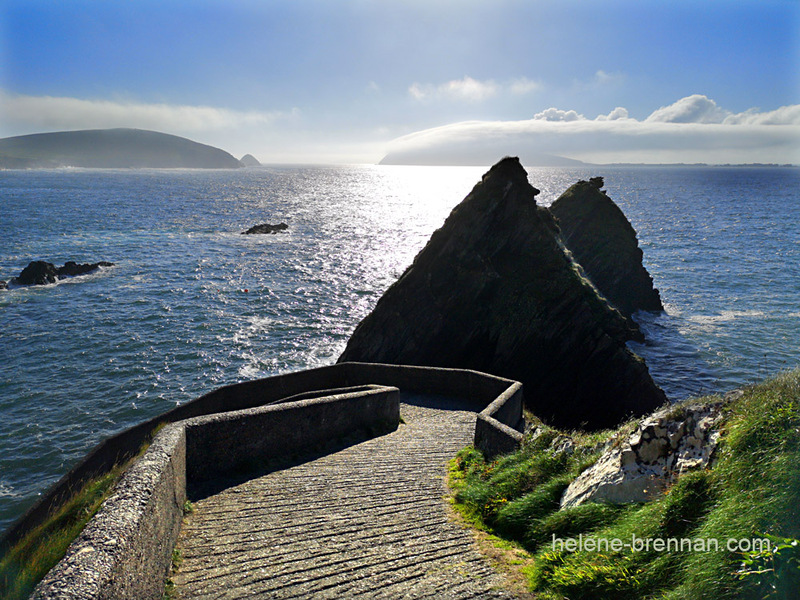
24 565
752 491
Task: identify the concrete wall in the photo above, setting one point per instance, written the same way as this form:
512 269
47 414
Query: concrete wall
121 447
499 427
125 550
231 441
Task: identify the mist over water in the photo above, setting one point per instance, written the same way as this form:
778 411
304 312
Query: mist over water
192 305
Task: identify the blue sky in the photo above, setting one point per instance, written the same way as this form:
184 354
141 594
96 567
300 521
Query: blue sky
346 81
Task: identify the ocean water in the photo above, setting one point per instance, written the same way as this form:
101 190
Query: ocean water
191 304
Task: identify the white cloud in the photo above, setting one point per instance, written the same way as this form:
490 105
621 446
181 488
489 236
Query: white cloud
691 109
472 90
523 85
603 78
555 114
785 115
615 115
419 91
48 113
693 129
468 89
600 79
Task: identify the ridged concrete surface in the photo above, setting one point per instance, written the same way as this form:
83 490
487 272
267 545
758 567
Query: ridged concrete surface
367 521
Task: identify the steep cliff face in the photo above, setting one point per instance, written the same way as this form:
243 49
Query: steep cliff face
493 290
604 243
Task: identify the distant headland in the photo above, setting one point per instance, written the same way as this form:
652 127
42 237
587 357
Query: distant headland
485 154
110 149
470 156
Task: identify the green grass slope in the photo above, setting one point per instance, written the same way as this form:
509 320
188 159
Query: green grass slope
751 492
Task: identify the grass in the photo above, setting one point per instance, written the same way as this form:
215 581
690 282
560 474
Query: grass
752 491
31 558
24 565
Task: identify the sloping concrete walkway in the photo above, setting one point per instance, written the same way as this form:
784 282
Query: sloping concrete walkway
367 521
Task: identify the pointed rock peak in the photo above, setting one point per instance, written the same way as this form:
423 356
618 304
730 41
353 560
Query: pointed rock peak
495 291
509 169
597 182
604 243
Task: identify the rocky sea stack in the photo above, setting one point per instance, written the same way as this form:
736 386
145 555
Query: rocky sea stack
248 160
493 290
604 243
266 228
40 272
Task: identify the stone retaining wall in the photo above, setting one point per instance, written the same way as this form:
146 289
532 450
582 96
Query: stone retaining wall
125 551
499 426
121 447
227 442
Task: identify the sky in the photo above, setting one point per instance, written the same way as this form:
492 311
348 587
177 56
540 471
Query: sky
347 81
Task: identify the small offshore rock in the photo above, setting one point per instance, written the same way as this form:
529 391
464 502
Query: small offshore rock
3 285
73 269
266 228
40 272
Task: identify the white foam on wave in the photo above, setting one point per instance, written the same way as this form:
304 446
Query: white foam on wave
725 316
7 491
249 371
255 325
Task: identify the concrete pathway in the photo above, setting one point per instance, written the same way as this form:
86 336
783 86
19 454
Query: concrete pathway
366 521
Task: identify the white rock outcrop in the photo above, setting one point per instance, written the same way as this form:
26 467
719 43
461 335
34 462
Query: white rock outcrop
640 468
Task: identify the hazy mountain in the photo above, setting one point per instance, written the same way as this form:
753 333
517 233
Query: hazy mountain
110 148
476 155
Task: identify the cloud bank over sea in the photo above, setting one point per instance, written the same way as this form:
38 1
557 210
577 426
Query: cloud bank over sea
48 113
692 129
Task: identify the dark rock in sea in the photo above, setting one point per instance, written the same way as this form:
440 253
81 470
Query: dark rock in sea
604 243
493 290
72 269
248 160
266 228
39 272
3 285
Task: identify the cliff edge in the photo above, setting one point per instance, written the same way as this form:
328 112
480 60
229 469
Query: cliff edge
494 290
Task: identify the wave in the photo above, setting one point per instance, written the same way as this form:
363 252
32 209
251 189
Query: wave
725 316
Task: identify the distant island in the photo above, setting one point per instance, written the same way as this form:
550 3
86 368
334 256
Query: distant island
485 154
471 156
110 149
248 160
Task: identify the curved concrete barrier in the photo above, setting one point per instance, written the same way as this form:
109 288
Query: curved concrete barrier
125 550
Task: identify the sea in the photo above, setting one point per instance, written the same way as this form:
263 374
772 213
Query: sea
191 304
